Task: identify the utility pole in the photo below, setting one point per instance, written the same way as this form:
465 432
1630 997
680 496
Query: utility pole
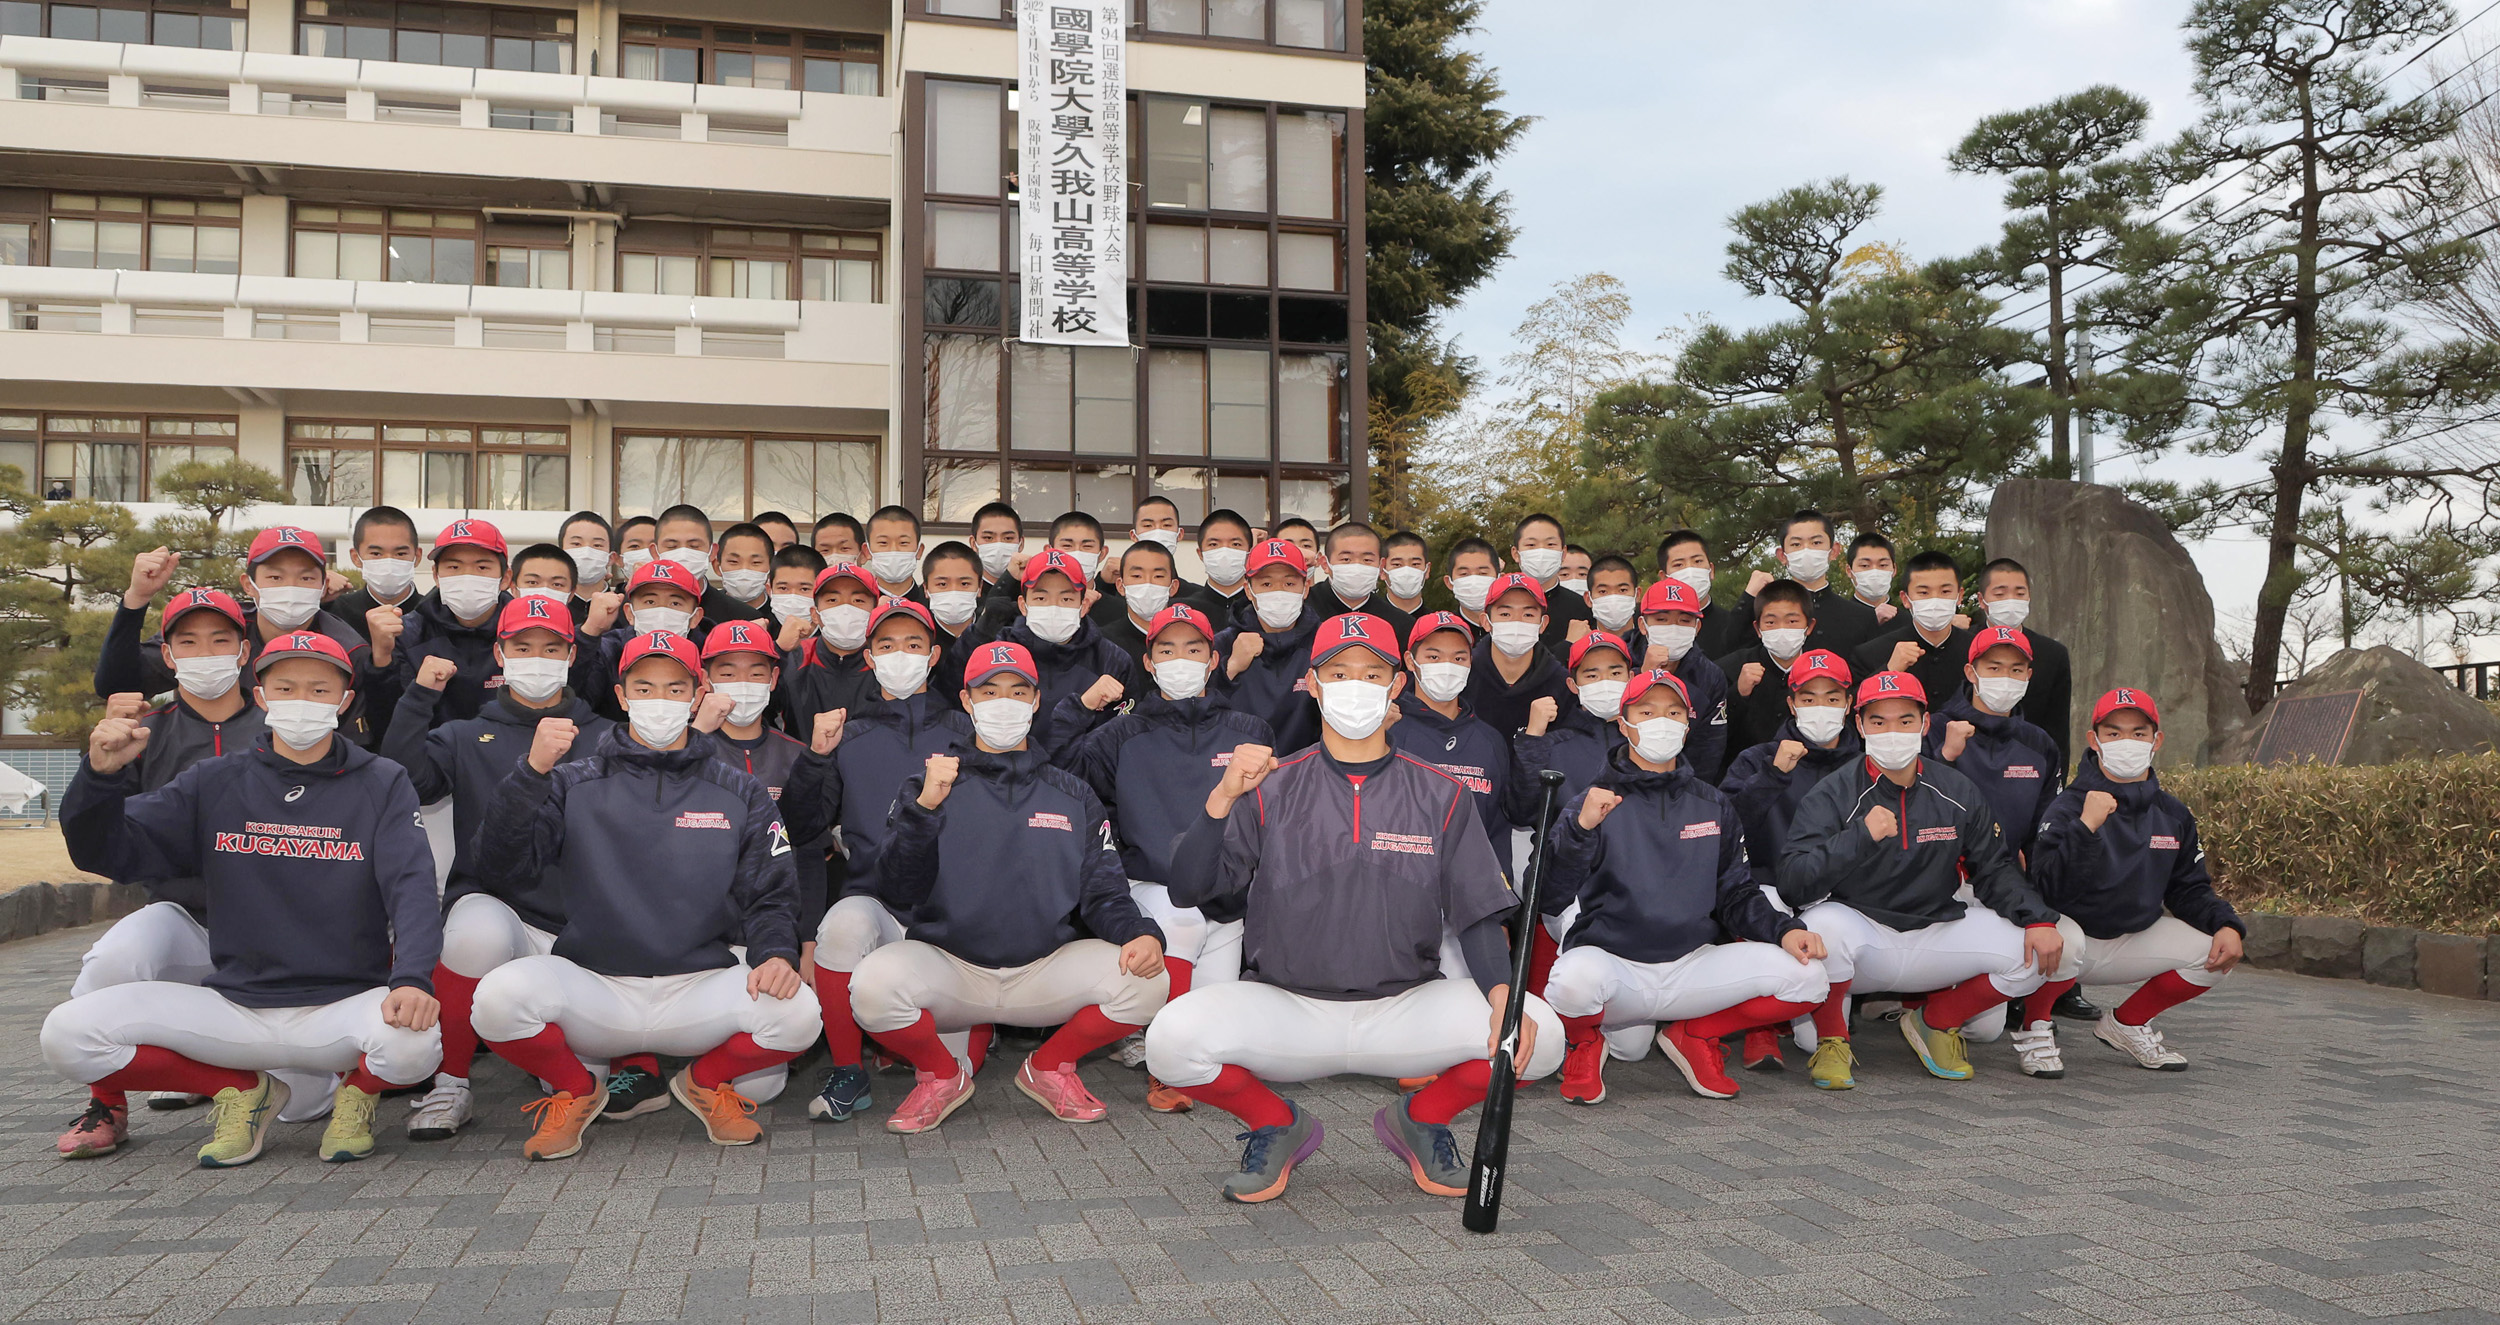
2083 415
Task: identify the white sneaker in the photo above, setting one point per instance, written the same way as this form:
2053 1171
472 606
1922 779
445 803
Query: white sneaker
2035 1051
440 1113
2142 1043
1131 1053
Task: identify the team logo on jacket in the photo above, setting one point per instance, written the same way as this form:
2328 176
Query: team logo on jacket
2163 842
780 839
307 841
2022 771
294 794
1405 844
1705 828
704 819
1222 759
1046 819
1943 834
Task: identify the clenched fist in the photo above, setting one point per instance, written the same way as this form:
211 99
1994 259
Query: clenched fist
1957 736
604 608
1102 694
129 704
333 585
410 1009
1904 654
436 671
1785 758
1803 944
794 630
711 711
826 736
1749 676
150 572
1542 713
1880 824
114 743
382 628
1247 645
1755 581
2097 807
1595 806
937 779
1142 957
1249 767
1886 612
552 741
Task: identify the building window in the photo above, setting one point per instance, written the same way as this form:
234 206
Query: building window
960 376
98 457
463 36
436 466
1309 24
737 56
841 269
1310 164
529 268
371 244
754 264
737 474
215 25
1073 399
1203 157
128 234
966 140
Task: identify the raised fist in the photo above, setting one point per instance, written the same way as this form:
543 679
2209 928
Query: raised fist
114 743
1904 654
1249 767
1881 825
2097 807
1749 676
711 711
333 585
826 736
129 704
150 572
1595 806
1785 758
937 779
1247 645
436 671
1103 693
382 629
604 607
1755 581
1956 739
795 629
1886 612
552 741
1961 621
1542 712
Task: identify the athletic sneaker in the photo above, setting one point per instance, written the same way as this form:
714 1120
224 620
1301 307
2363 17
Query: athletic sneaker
1130 1052
562 1118
168 1101
1702 1061
930 1102
2036 1052
728 1117
1430 1151
441 1112
846 1092
1881 1009
1762 1050
99 1131
2073 1006
1163 1099
1061 1092
349 1137
2142 1043
239 1121
1584 1071
1268 1155
1941 1050
1834 1065
633 1092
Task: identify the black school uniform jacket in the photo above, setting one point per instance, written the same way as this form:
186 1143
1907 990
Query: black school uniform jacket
1274 687
2049 703
1471 751
1907 881
429 630
319 880
665 858
815 679
1016 863
468 759
128 664
1842 621
1723 631
1766 799
1755 718
1705 743
1152 767
1504 704
720 609
2014 764
1562 607
2145 860
1664 874
179 737
1939 669
885 743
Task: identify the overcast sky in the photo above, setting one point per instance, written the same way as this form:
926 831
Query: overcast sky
1656 119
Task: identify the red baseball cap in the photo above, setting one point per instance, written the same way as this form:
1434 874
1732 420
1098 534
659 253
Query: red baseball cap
1180 614
1277 550
2126 697
1599 639
304 644
843 570
1433 623
1000 656
1503 584
1818 662
534 613
1671 596
1353 630
469 533
1891 685
1641 682
740 637
659 571
199 600
284 538
893 606
1054 559
669 644
1988 637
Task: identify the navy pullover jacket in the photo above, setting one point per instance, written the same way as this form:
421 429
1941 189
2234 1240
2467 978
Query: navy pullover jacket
885 743
428 630
1577 743
1067 669
1468 749
319 880
1705 744
468 759
1665 872
179 737
2014 764
797 778
1908 880
2145 860
128 664
1152 768
1273 687
1504 705
1766 799
815 679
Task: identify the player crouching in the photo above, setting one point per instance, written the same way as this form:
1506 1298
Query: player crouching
669 858
1348 863
1656 860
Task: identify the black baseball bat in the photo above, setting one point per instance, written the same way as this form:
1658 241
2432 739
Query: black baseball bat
1484 1184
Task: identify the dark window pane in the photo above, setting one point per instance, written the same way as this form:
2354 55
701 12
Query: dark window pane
122 25
1176 313
954 302
21 18
412 12
178 30
677 65
420 48
464 50
368 43
221 34
455 262
73 22
1311 321
1238 316
412 258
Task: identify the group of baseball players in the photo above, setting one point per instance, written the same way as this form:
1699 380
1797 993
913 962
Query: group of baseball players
711 795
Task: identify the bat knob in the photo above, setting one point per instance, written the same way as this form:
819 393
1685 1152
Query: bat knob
1551 777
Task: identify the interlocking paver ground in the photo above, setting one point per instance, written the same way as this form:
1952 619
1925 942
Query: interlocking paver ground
2333 1156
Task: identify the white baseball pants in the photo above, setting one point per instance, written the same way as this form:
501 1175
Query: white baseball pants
900 981
1212 948
2168 944
1631 998
1279 1035
93 1036
1918 961
852 928
609 1016
481 933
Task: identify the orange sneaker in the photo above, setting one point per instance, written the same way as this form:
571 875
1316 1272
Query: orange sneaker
726 1114
1163 1099
562 1118
1410 1085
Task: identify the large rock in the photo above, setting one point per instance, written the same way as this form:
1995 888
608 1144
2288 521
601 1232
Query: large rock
2407 711
2110 582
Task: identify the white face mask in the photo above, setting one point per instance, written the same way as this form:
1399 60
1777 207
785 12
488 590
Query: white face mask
1695 578
1658 739
1002 724
1406 581
1147 599
300 723
1181 678
1933 614
1170 538
1676 640
1056 624
634 559
1471 589
1278 610
953 607
1783 643
1541 563
387 578
696 561
658 722
746 700
894 567
1353 580
1580 587
792 606
745 585
590 564
287 607
1353 709
996 557
1225 564
1441 682
2011 612
207 678
1999 694
1894 751
469 596
1602 699
1087 562
1821 723
535 679
1873 585
1808 564
845 627
671 619
900 673
2126 760
541 591
1514 638
1614 611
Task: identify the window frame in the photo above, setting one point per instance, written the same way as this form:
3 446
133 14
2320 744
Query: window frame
387 227
489 24
151 436
476 451
236 10
40 221
925 11
796 254
747 439
708 43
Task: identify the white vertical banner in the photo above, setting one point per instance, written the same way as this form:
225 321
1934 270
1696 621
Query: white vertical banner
1072 109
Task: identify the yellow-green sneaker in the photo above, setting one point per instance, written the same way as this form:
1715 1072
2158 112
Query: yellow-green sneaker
349 1136
238 1122
1834 1065
1940 1050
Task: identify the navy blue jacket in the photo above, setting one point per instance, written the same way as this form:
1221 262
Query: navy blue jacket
796 777
1705 744
1578 743
468 759
1908 880
666 858
885 743
179 737
815 679
1503 705
428 630
1068 669
1273 688
2145 860
2014 764
1467 748
1152 768
1015 864
1665 872
319 880
1766 799
128 664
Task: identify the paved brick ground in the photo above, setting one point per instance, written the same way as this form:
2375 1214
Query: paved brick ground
2333 1156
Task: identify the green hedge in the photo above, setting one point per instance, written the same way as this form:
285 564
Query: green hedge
2415 844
